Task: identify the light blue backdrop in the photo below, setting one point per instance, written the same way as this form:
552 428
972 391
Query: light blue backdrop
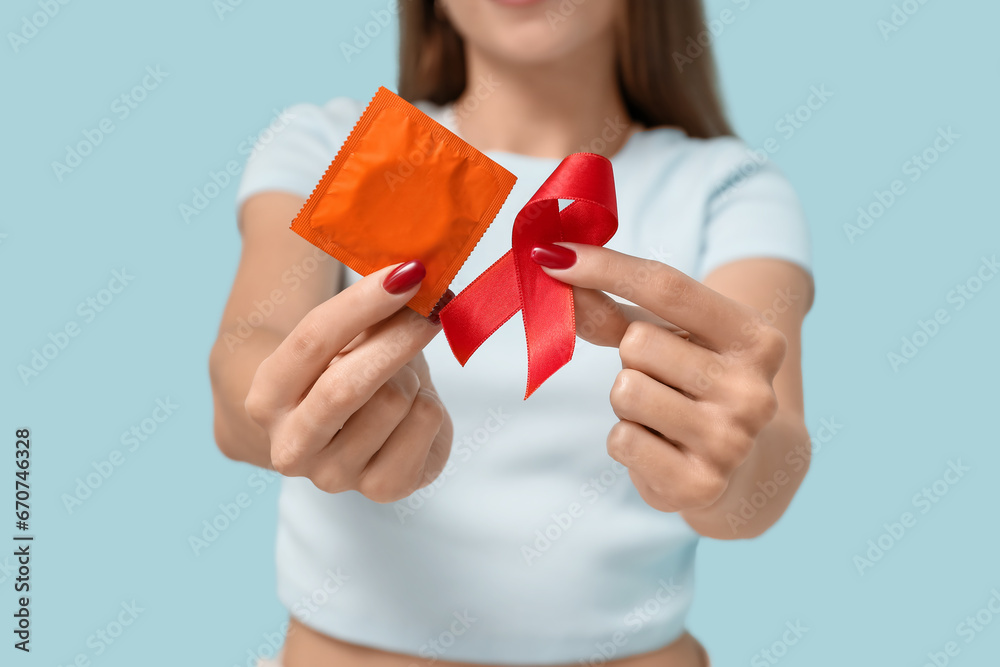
221 75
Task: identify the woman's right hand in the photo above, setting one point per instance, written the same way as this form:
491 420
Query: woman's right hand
346 399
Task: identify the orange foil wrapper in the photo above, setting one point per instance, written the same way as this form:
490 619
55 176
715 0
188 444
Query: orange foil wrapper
403 187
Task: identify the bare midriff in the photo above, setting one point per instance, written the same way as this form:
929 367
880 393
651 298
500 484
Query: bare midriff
305 647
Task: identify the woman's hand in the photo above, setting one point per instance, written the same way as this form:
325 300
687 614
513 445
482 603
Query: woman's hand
696 386
346 399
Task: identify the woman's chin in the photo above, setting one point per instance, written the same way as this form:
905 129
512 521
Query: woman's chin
531 31
530 45
519 3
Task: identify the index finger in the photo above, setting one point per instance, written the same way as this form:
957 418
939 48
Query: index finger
661 289
353 379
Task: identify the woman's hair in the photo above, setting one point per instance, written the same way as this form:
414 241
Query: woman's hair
667 76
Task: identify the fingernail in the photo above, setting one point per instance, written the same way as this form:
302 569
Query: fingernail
553 256
404 276
435 316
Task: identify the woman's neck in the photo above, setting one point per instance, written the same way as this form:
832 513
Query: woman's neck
548 110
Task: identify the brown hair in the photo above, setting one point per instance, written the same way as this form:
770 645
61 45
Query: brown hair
665 70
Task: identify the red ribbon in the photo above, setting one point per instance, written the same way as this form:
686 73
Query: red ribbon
516 283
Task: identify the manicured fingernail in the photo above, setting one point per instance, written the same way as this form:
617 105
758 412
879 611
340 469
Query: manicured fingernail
553 256
404 277
435 316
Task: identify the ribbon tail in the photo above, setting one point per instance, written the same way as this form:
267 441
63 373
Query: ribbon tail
549 327
481 308
547 303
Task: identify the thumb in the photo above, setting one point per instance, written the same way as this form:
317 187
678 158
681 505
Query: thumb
601 320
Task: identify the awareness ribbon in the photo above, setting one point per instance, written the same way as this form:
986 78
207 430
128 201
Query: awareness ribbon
516 283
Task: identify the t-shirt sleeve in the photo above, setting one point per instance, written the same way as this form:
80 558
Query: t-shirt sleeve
292 154
752 211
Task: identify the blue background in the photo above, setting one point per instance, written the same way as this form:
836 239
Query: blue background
129 540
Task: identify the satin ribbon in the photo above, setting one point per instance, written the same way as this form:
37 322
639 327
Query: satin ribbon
516 283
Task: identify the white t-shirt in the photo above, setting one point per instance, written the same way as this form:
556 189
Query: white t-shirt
533 546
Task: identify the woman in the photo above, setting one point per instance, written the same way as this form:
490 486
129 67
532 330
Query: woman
427 513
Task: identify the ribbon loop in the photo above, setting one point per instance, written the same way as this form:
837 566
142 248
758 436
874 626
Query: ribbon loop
516 283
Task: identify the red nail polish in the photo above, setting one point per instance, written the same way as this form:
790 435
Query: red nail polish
553 256
404 276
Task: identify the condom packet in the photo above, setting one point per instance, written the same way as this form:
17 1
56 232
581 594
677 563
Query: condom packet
404 187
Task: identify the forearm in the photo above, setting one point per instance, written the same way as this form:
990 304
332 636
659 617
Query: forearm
232 366
761 489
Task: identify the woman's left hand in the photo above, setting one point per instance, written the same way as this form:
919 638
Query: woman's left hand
695 388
